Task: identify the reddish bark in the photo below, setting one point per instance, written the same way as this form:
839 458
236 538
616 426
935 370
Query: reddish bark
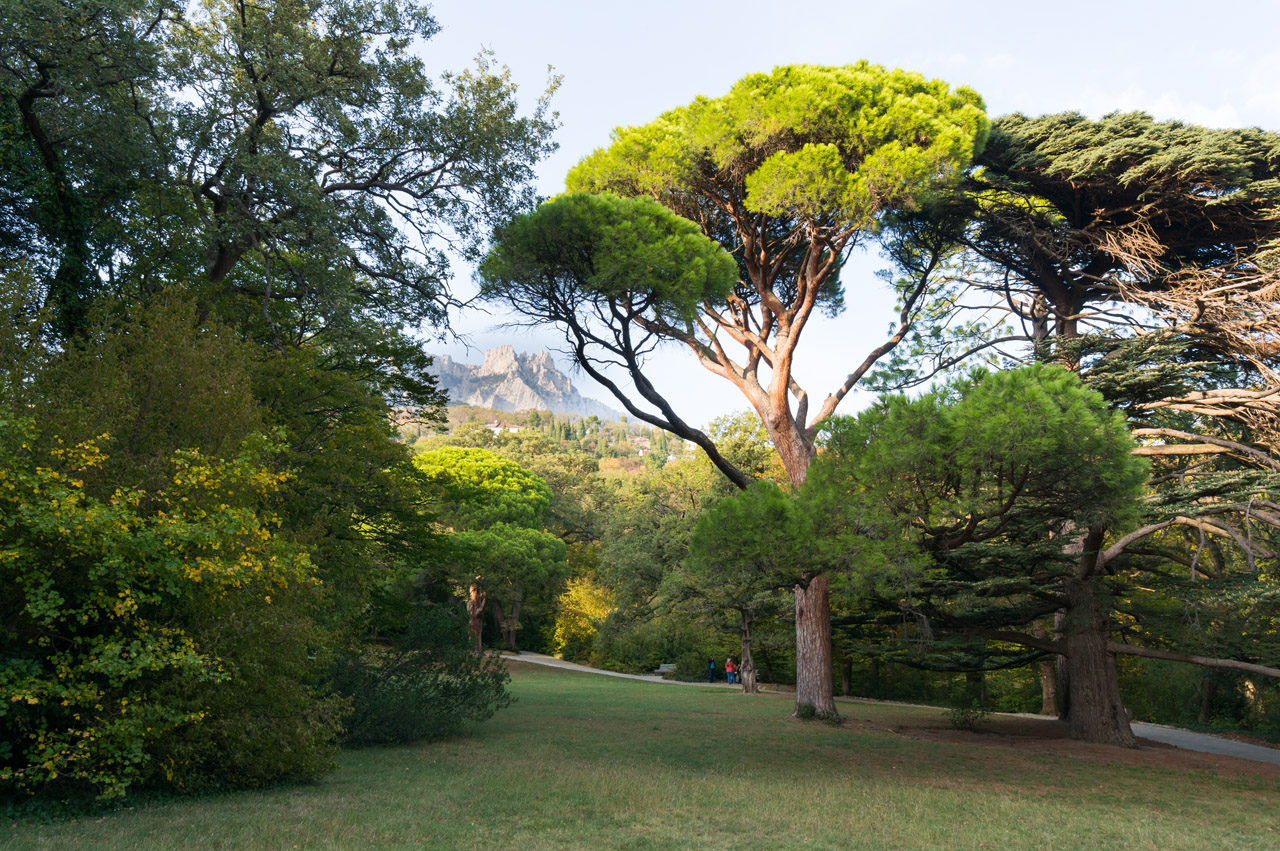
813 648
475 612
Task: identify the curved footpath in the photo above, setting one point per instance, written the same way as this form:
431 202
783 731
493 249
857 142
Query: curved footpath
1184 739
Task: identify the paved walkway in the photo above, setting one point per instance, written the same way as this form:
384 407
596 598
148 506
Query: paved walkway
1205 743
1184 739
553 662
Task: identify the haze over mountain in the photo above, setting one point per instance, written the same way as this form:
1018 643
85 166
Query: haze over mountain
511 381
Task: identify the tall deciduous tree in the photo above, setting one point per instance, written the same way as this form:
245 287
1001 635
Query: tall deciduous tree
787 173
152 141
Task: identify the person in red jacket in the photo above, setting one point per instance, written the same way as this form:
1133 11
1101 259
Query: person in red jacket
731 670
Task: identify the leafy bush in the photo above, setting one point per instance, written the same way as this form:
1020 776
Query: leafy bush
94 624
428 685
967 717
274 717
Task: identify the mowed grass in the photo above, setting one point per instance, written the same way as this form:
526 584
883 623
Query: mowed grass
583 761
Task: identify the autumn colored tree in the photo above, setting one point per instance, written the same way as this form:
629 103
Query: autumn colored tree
102 636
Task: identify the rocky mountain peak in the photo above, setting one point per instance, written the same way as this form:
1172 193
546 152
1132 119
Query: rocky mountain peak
512 381
500 361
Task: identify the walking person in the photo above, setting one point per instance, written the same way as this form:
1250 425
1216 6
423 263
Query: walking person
730 670
711 670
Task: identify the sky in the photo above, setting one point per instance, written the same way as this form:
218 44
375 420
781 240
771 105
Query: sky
624 63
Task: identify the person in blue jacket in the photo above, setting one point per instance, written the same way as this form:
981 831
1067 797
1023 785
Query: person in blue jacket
711 670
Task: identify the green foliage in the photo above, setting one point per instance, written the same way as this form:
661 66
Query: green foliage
954 456
273 717
952 506
510 560
478 488
1088 213
91 644
175 138
829 144
609 249
746 549
156 380
425 686
967 717
578 494
495 508
215 220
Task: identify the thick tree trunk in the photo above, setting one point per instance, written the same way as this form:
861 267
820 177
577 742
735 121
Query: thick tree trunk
746 660
475 614
846 675
1048 679
1097 714
813 648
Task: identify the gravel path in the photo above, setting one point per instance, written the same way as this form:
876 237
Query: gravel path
1184 739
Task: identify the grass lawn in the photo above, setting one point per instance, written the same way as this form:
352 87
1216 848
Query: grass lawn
593 762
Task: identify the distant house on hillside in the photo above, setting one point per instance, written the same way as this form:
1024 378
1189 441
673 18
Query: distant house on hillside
497 427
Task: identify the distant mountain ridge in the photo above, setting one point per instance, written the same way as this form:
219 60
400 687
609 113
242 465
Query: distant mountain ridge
511 381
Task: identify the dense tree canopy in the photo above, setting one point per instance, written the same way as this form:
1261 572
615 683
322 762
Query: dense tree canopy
219 221
992 478
172 139
498 547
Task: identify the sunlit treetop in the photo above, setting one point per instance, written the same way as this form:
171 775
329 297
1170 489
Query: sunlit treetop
833 146
478 488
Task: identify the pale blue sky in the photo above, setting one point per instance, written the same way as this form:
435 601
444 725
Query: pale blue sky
1214 63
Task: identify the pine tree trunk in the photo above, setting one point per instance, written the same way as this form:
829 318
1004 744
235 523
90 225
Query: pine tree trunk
1097 714
875 676
813 648
475 614
747 661
846 675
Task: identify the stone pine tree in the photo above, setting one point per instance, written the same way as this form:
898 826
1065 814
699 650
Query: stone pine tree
494 510
787 173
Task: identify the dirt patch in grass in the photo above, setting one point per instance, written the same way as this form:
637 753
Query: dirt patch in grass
1049 736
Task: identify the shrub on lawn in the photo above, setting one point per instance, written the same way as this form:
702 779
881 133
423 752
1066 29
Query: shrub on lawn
427 685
